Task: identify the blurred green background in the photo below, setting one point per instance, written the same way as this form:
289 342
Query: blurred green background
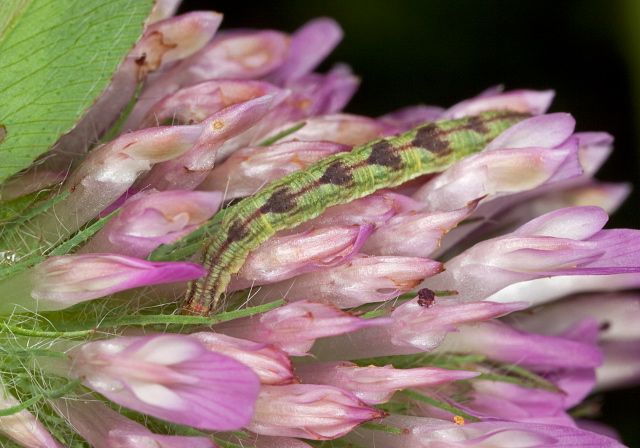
443 51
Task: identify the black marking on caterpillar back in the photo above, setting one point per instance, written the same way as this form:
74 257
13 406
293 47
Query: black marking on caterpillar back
337 174
237 232
429 138
478 125
383 153
281 201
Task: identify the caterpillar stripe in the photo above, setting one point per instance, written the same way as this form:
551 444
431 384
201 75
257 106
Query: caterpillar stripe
338 179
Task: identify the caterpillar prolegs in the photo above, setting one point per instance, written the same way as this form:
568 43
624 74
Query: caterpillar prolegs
338 179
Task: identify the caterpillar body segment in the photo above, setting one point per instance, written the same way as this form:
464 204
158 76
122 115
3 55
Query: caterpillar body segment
338 179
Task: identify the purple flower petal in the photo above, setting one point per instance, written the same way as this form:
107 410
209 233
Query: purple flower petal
171 377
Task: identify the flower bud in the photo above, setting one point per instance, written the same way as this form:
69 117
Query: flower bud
23 427
360 280
372 384
284 257
103 427
295 327
62 281
171 377
309 411
150 219
271 364
250 169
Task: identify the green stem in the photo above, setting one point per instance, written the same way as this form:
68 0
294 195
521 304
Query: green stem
24 405
43 334
62 391
283 134
169 319
384 428
439 404
30 352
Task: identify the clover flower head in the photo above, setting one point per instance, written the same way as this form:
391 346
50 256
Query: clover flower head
429 312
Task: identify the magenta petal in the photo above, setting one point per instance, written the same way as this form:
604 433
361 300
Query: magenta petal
171 377
65 280
503 343
309 46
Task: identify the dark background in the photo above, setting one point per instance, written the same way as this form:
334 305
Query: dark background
441 52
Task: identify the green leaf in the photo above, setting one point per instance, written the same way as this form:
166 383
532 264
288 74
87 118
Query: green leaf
56 58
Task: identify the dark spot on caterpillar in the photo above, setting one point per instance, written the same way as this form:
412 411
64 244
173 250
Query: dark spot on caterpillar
141 59
336 174
237 232
478 125
426 297
428 137
604 326
281 201
383 154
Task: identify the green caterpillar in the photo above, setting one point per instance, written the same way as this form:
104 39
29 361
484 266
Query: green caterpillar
337 179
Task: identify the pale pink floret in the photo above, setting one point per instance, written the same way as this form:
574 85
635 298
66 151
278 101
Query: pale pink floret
544 131
529 155
152 218
502 342
493 174
346 129
415 234
363 279
62 281
513 402
23 427
528 101
250 169
617 317
564 242
187 170
233 54
547 289
517 211
271 364
281 258
414 328
421 432
111 169
320 93
309 411
103 427
375 209
172 377
194 103
372 384
295 327
310 44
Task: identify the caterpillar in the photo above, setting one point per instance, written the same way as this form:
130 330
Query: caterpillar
337 179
